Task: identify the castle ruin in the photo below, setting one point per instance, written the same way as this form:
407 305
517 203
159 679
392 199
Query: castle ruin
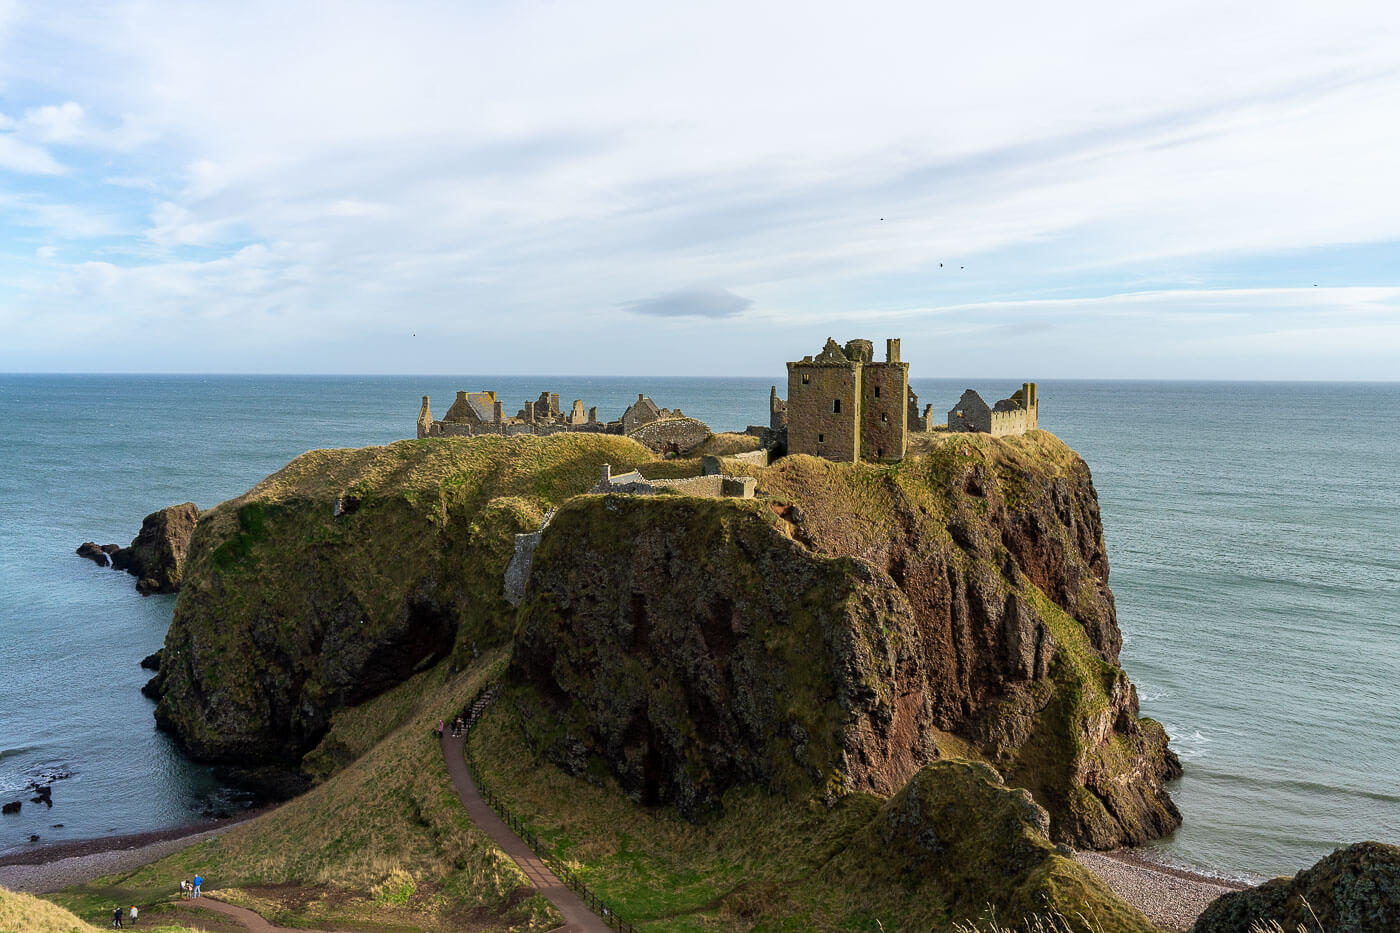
476 413
844 405
1015 415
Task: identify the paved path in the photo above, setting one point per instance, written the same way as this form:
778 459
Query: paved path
253 920
577 917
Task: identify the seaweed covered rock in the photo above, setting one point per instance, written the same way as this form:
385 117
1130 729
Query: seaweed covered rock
156 556
963 840
346 572
1356 889
863 622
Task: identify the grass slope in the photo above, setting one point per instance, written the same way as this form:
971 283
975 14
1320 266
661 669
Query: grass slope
24 913
771 862
383 844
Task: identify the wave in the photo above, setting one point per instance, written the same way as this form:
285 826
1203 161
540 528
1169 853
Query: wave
12 752
1188 745
1307 788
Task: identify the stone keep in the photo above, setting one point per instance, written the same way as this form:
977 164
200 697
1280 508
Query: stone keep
842 405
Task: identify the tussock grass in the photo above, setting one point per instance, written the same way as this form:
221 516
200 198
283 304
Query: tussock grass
1053 922
725 445
765 861
24 913
382 843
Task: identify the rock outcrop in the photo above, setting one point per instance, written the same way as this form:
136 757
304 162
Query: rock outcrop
1356 889
860 623
866 621
294 605
156 556
955 838
93 552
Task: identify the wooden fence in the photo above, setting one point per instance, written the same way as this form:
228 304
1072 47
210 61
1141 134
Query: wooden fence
562 871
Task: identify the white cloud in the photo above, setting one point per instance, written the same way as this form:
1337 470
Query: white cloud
62 123
817 159
18 156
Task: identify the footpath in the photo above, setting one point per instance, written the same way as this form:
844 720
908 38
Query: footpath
255 922
577 917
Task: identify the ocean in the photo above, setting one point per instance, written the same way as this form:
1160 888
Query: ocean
1253 534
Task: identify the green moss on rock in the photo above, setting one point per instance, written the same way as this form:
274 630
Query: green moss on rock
348 571
860 623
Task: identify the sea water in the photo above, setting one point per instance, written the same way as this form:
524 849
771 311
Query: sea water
1253 533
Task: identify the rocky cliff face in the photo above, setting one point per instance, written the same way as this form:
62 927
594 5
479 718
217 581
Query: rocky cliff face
346 572
863 622
1356 889
156 556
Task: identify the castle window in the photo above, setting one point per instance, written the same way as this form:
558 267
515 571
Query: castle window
877 391
806 378
879 451
836 405
884 419
821 438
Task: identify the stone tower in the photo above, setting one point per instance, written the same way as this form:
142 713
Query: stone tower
425 419
842 405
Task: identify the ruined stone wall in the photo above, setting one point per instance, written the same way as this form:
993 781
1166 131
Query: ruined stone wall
518 570
512 428
777 410
970 414
816 390
1015 415
1010 422
678 435
884 410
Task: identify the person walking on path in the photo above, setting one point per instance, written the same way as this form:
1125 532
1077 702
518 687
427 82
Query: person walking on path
439 730
134 914
458 727
198 880
117 919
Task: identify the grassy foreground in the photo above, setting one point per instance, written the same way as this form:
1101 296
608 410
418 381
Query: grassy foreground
383 844
770 862
24 913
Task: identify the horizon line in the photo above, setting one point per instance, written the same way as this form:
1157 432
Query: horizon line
673 377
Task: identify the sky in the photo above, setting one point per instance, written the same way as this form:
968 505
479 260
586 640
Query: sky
1030 190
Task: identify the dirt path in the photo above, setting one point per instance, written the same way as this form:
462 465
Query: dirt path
577 917
251 919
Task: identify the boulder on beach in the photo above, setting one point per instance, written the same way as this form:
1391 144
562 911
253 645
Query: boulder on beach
156 557
1354 890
